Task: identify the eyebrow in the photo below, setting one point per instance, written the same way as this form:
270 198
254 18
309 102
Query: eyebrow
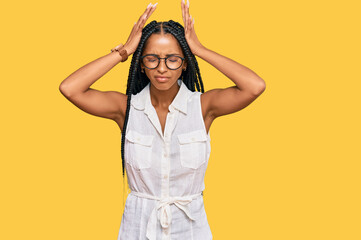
166 54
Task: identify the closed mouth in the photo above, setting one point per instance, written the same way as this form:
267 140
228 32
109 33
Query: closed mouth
162 79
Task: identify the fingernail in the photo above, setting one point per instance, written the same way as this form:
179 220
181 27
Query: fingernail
155 5
188 3
149 5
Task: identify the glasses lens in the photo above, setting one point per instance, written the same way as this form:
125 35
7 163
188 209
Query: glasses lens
173 62
150 61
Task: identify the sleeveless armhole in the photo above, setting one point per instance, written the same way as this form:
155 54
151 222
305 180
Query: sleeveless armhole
200 112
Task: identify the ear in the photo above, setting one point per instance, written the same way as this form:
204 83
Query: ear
185 64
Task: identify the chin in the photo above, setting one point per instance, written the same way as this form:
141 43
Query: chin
163 86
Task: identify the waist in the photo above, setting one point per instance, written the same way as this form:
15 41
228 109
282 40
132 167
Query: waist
165 217
165 199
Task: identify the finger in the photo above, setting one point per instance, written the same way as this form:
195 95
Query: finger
151 10
148 7
137 24
144 17
186 15
144 20
145 12
190 23
141 23
133 30
182 7
191 27
189 19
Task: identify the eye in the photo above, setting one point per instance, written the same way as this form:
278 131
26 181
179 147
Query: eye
150 59
173 59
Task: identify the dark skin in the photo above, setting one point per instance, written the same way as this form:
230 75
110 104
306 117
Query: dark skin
163 93
215 102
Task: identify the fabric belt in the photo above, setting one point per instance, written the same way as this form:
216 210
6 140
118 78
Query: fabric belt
165 214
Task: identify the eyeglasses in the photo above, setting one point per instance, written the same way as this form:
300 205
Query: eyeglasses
152 61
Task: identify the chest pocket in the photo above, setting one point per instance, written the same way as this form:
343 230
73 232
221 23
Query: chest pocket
193 148
139 149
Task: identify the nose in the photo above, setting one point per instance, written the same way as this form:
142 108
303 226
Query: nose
162 67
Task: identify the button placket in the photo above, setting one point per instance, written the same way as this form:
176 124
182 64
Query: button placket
165 165
166 152
165 158
165 170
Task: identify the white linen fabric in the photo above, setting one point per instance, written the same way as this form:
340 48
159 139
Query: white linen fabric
166 172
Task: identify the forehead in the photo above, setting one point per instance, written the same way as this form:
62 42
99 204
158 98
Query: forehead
162 44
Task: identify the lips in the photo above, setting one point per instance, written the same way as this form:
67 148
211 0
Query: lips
162 79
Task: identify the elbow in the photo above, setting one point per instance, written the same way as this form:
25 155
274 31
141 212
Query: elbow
260 88
63 90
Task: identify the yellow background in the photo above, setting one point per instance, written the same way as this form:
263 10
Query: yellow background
286 167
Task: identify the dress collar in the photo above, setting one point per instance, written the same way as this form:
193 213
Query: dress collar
142 100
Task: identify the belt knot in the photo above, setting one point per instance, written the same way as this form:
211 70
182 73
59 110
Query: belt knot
163 209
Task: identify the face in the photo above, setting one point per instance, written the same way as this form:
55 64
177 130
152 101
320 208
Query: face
162 45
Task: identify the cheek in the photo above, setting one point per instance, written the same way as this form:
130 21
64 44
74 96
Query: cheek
179 73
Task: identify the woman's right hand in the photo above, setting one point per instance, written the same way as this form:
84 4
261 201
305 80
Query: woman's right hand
136 33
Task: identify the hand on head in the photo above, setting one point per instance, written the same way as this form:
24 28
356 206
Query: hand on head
136 33
189 31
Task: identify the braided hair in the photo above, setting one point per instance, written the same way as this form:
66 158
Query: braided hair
137 80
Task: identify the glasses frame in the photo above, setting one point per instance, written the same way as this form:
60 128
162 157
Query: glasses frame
165 59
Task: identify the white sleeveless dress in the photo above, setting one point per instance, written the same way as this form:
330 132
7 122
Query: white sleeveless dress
166 172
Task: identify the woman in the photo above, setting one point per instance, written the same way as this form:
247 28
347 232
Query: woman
164 121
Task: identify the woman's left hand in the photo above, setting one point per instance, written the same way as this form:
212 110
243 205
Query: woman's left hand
189 32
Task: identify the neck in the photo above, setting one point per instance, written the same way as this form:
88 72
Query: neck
162 99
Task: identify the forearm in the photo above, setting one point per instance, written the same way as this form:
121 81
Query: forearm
243 77
80 80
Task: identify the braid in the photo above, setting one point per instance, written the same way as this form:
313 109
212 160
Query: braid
134 83
192 77
138 80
